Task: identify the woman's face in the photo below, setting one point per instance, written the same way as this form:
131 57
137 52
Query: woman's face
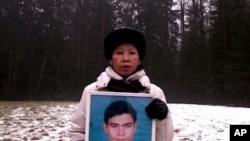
125 59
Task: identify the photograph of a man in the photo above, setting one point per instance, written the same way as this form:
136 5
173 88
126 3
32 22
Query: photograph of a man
120 121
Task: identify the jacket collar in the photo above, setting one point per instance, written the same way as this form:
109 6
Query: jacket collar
104 78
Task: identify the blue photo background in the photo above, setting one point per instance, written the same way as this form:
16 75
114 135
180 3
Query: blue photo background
100 102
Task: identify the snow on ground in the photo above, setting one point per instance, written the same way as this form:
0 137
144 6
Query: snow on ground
206 123
49 121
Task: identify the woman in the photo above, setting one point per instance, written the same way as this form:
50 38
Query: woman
125 50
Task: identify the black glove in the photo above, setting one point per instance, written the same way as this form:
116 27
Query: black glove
157 109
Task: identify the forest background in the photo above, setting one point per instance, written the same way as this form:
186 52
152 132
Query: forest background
198 51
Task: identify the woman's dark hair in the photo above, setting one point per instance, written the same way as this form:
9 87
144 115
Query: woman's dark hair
122 36
118 108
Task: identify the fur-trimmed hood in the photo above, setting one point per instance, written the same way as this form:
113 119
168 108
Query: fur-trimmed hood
104 78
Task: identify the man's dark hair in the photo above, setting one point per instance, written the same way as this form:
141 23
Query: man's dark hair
118 108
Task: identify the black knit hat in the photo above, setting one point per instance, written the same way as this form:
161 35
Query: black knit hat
121 36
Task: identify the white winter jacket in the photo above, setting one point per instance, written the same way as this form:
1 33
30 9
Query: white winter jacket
164 128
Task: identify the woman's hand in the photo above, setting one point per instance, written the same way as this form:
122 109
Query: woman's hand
157 109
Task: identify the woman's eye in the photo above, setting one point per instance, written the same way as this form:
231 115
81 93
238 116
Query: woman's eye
132 52
119 52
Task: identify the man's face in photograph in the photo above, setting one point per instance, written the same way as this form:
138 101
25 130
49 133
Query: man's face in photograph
120 128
